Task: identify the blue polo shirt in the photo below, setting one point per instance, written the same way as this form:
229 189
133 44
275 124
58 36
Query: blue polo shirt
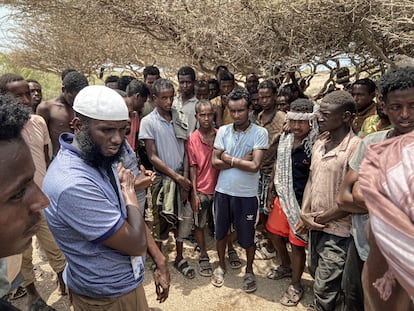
84 211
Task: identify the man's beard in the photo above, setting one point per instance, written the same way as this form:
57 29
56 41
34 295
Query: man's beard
90 152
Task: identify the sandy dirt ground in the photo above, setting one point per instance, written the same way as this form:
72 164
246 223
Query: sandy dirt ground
195 294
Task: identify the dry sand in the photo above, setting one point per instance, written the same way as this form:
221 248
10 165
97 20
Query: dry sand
195 294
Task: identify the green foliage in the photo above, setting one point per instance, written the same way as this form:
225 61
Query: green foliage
51 83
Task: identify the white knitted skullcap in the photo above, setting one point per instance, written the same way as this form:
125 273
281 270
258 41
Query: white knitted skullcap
101 103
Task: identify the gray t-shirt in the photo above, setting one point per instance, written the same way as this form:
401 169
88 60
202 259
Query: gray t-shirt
129 160
359 221
170 149
188 112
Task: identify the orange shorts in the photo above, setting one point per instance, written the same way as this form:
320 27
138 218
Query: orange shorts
278 224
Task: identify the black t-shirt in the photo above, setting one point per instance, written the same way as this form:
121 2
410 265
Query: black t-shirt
300 171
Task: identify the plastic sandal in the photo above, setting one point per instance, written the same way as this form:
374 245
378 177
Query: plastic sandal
280 272
217 279
292 296
234 259
249 283
185 268
204 266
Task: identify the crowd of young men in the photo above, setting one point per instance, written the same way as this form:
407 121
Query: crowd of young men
209 158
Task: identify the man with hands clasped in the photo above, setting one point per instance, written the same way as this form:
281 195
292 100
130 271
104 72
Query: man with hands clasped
94 214
329 226
238 153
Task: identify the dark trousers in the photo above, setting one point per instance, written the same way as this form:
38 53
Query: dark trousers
351 280
326 264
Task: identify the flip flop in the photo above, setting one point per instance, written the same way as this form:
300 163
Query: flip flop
234 259
217 279
292 296
249 283
280 272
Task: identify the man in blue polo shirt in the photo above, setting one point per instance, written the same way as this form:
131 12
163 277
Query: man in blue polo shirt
94 214
238 153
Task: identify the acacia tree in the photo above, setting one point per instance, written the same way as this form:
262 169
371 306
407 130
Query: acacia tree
246 35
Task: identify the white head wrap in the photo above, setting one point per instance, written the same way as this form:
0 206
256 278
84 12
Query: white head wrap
314 128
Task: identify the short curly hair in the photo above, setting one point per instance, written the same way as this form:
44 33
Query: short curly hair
161 84
302 105
74 82
186 70
137 87
13 117
239 94
151 71
341 98
203 103
6 79
124 81
268 84
368 83
396 79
